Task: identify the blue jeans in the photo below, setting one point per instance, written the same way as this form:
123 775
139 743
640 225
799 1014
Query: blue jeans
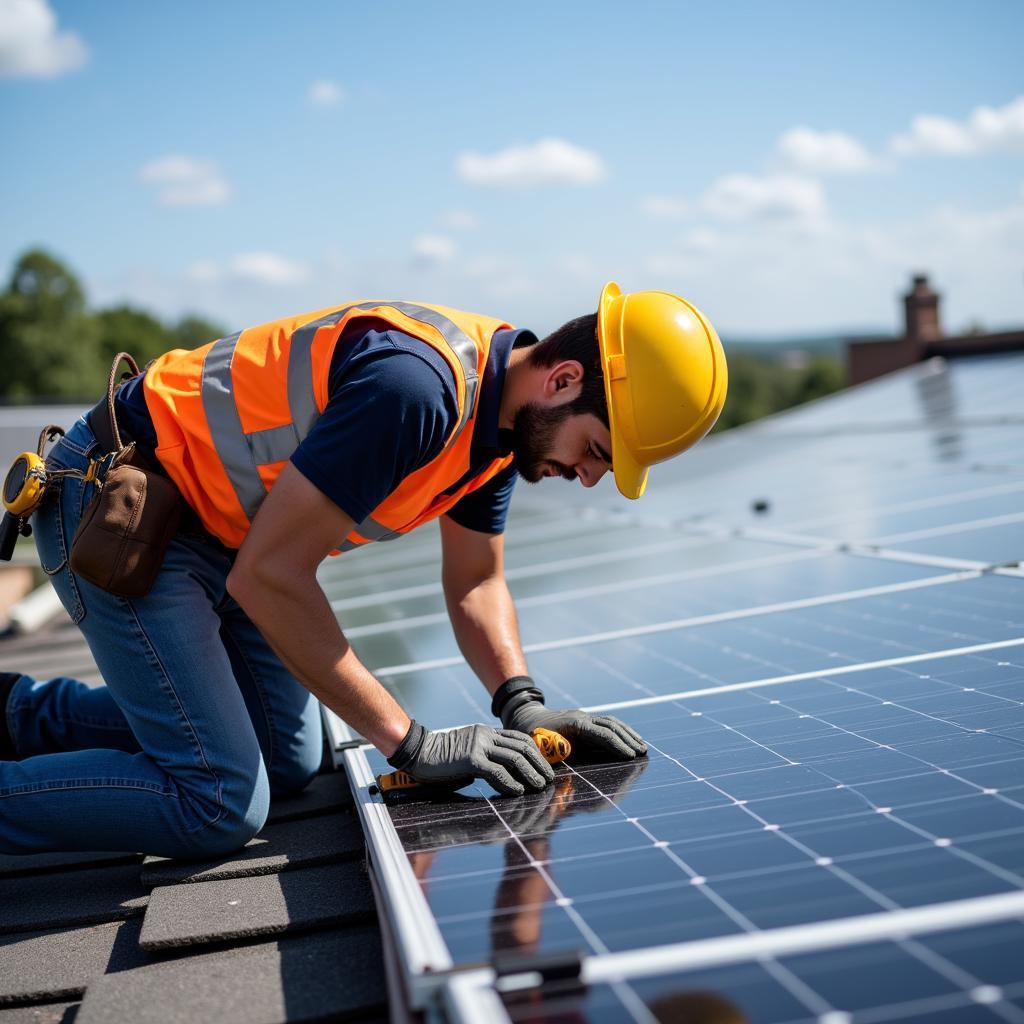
199 722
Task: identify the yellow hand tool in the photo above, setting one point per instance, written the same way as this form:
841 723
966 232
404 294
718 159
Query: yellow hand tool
24 487
554 746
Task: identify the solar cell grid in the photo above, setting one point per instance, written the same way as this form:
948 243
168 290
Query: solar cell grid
914 495
419 591
428 611
379 565
737 587
865 472
967 976
833 693
911 621
878 523
973 611
997 541
760 811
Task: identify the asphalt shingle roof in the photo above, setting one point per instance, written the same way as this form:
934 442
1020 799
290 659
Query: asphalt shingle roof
283 930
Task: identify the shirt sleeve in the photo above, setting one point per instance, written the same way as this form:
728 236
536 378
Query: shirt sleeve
389 413
486 509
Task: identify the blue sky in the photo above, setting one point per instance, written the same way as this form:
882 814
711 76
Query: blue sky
784 166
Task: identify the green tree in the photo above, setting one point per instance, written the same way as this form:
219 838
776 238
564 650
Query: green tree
51 346
48 343
193 331
757 387
760 385
822 376
126 329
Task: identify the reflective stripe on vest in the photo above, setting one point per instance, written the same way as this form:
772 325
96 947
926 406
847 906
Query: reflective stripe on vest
372 531
240 453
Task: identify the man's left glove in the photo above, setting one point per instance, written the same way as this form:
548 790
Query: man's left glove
511 763
520 706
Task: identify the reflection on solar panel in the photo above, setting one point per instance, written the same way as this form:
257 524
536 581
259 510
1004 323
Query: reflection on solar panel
817 622
930 978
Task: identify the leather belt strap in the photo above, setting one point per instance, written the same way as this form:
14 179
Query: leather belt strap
98 418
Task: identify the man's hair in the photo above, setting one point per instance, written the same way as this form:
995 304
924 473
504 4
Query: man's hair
577 340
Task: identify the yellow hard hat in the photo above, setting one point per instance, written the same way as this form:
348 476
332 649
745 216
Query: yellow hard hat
665 379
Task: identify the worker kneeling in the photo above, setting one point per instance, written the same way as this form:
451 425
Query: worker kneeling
304 437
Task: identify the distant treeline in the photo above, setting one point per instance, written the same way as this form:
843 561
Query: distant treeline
762 384
52 346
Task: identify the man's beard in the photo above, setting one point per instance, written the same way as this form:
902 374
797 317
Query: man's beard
533 434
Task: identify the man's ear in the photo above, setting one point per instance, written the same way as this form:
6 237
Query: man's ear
564 380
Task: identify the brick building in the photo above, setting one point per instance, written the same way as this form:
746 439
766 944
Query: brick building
923 338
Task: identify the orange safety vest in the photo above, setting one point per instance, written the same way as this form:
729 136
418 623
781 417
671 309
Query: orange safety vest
229 415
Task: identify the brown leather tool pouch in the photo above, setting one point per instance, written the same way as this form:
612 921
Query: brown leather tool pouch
124 532
121 540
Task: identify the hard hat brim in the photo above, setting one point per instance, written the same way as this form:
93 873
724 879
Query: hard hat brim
630 475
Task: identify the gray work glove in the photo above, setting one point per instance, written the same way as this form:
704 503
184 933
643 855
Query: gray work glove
520 705
509 761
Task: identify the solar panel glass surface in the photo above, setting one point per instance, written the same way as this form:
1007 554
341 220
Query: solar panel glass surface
762 808
832 688
964 977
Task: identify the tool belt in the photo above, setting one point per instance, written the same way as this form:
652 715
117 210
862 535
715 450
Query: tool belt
124 532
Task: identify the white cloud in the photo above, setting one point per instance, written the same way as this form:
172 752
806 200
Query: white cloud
701 241
182 181
694 250
263 268
204 272
325 93
31 45
547 162
930 134
986 129
813 152
267 268
499 278
750 278
1001 225
459 220
433 248
665 207
779 198
580 268
849 275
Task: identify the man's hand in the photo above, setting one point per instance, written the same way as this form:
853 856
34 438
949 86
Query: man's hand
520 706
509 761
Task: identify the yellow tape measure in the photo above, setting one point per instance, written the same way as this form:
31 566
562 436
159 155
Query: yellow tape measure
24 485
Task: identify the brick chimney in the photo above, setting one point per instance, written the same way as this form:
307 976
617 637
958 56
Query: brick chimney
921 306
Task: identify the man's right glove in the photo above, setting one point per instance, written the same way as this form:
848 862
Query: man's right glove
520 706
510 761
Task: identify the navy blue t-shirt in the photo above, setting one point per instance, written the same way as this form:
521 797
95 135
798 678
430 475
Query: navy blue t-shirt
391 405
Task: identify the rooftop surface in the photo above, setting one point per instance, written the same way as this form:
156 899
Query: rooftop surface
285 929
817 622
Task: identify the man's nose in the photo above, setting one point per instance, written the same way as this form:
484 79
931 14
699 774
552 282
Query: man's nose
590 471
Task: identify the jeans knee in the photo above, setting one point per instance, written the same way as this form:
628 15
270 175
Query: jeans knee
240 816
294 773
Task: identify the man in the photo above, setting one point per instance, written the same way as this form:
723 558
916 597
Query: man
297 439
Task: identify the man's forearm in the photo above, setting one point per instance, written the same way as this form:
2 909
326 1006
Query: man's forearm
294 616
484 620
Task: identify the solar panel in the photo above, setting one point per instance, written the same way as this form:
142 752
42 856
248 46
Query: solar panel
954 978
833 691
767 807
